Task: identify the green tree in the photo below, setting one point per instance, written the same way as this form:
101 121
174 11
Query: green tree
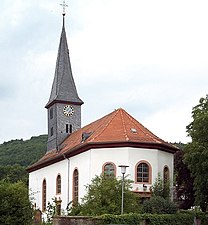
160 201
161 188
196 152
104 197
15 206
159 205
184 182
13 173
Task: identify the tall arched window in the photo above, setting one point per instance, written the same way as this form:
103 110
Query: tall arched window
75 186
58 184
143 172
109 169
44 195
166 175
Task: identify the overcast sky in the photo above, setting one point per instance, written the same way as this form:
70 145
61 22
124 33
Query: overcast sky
148 57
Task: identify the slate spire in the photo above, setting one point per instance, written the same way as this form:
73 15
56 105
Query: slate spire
63 88
64 105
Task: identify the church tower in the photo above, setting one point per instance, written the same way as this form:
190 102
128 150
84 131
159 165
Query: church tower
64 105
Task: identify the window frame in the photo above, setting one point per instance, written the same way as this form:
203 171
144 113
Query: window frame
166 179
44 195
114 168
149 172
58 184
75 195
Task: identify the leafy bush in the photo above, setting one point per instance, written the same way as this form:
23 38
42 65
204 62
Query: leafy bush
104 197
161 188
15 206
130 219
159 205
170 219
151 219
197 214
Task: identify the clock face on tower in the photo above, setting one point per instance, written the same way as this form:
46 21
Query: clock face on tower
68 110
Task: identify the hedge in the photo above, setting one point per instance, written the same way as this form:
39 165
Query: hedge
180 218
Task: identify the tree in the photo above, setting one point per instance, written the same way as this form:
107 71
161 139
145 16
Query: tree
13 173
196 152
159 205
160 201
184 182
161 188
15 206
104 197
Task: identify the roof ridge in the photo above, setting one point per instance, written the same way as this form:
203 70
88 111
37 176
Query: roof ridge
124 126
113 114
145 133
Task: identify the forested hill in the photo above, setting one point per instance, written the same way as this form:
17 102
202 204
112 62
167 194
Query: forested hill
17 155
23 153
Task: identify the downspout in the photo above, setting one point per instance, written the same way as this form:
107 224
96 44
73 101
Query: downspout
67 179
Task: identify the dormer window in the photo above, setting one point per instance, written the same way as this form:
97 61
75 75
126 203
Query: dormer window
133 130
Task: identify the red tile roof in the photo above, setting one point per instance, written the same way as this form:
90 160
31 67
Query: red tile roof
117 129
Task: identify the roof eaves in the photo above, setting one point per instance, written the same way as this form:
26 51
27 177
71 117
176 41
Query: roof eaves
94 145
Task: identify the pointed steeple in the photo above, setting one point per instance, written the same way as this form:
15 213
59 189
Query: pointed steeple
64 105
63 88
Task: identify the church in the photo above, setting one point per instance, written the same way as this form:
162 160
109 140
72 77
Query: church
75 154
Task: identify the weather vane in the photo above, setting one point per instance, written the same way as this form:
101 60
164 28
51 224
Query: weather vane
64 5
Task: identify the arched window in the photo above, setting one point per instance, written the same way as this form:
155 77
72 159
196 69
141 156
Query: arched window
75 186
143 172
58 184
166 175
109 169
44 195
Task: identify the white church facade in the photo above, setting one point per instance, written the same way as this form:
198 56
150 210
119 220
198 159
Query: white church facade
75 154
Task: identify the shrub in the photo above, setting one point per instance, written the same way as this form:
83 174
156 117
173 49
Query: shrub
151 219
104 197
159 205
15 206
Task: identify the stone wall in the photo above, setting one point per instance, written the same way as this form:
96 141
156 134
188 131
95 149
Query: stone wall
73 220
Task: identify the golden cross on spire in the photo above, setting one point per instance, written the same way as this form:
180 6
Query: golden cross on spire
64 5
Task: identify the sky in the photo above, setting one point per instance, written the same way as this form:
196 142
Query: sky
147 57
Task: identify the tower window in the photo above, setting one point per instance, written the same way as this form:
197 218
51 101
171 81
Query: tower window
51 131
51 113
70 128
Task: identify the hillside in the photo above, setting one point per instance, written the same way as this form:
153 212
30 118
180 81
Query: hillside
23 153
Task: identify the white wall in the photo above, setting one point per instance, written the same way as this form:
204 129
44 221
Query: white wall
82 163
90 164
49 173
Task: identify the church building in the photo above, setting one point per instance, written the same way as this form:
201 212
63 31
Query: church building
76 154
